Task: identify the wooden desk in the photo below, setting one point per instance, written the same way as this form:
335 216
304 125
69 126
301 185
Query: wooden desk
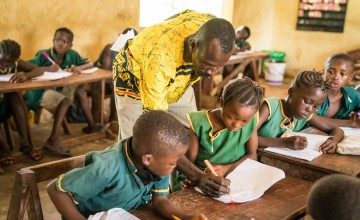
244 59
98 86
286 199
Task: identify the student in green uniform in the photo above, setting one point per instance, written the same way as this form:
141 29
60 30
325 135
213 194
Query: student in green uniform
307 92
12 103
57 100
334 197
128 174
343 102
225 136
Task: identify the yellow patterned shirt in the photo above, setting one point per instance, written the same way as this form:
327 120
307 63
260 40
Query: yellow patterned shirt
151 68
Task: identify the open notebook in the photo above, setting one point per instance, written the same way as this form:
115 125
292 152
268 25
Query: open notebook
351 131
311 152
249 181
113 214
53 75
6 78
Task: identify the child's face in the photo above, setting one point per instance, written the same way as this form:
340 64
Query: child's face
62 42
6 62
163 165
338 72
236 116
241 35
304 101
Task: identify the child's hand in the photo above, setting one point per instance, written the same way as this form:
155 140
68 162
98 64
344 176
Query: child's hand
53 68
329 146
356 123
195 217
186 183
75 70
18 78
221 170
296 142
355 116
214 186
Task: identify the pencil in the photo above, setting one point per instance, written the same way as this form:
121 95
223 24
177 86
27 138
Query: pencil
288 129
175 217
49 58
208 164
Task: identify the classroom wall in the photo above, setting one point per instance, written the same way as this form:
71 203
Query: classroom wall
32 23
273 26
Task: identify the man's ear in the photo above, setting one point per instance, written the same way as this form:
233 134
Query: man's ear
146 159
193 44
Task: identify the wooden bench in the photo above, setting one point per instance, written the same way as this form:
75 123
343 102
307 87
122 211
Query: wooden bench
25 196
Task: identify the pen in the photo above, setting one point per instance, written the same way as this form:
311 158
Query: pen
208 164
175 217
288 129
49 58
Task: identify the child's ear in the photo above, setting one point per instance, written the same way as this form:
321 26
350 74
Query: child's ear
146 159
290 91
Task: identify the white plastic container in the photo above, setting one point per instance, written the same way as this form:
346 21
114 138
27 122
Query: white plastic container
274 72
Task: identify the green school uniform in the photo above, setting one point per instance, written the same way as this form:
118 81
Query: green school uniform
221 147
242 44
273 126
109 180
33 98
349 102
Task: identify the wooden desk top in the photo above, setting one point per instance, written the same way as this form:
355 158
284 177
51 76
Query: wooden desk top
285 199
100 74
239 57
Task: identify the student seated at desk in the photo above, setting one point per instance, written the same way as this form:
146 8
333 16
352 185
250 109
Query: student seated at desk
105 62
128 174
57 100
11 103
335 197
307 92
226 136
343 101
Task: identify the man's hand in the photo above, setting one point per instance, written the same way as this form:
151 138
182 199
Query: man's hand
214 186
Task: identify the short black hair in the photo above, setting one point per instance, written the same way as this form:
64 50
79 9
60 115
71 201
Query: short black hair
129 29
220 29
341 56
335 197
10 48
159 132
243 91
66 30
309 79
246 28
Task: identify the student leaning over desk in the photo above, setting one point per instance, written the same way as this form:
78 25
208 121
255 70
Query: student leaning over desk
306 93
342 106
57 100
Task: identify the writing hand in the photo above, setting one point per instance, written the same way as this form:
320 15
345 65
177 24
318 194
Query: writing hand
296 142
221 170
214 186
53 68
75 70
329 146
18 78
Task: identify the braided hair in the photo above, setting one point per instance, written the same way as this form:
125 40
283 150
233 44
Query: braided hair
243 91
10 49
310 79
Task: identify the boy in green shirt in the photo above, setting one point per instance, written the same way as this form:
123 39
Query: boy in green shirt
128 174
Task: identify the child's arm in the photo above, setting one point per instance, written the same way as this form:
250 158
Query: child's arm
294 142
77 69
164 207
322 123
344 122
63 203
193 148
107 57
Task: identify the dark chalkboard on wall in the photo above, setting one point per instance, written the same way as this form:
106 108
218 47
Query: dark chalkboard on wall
321 15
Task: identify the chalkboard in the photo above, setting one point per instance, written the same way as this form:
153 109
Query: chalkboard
321 15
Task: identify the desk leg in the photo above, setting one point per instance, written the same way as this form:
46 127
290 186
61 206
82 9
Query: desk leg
254 69
97 102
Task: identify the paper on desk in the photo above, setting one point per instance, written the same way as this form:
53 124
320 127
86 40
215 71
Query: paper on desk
53 75
249 181
113 214
351 131
121 40
6 78
90 71
311 152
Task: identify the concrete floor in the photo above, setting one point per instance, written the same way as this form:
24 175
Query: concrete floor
41 132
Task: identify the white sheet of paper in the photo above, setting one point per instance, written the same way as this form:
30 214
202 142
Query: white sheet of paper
351 131
6 78
121 40
53 75
249 181
113 214
90 71
311 152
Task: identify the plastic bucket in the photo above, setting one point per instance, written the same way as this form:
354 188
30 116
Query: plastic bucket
274 72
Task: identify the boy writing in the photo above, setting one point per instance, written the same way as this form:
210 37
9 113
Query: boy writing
128 174
57 101
342 100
